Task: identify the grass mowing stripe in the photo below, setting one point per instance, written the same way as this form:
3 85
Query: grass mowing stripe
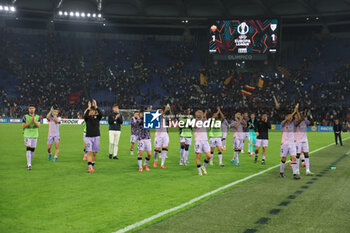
165 212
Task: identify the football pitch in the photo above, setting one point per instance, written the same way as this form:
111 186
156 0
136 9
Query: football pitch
63 197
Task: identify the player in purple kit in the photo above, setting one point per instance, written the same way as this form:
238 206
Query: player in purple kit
301 140
161 140
134 133
239 135
225 127
92 118
54 132
201 142
288 143
144 143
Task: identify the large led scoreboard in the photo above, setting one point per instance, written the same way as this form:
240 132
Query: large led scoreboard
253 36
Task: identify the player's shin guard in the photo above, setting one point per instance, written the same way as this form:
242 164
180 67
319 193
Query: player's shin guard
164 152
139 160
282 166
199 168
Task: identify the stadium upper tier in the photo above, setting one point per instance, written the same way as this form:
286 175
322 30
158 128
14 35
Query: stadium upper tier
66 71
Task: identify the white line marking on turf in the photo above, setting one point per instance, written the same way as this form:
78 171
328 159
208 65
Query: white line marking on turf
160 214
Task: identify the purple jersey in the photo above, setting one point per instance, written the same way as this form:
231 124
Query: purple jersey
200 133
142 132
224 126
134 126
300 131
238 132
287 130
54 128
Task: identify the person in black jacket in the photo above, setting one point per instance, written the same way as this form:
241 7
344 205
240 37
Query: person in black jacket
337 128
92 118
262 131
115 120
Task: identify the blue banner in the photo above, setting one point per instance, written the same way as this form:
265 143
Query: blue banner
313 128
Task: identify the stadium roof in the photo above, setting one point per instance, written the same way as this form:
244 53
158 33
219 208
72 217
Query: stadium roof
195 11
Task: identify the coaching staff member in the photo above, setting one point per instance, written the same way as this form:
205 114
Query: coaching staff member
337 128
115 120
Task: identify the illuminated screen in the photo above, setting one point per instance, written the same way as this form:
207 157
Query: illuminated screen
244 37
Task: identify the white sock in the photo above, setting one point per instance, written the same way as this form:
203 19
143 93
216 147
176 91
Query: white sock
220 157
307 164
164 152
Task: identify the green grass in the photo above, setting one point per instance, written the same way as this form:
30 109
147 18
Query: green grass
63 197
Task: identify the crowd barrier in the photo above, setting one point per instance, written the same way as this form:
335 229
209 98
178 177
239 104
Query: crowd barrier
104 122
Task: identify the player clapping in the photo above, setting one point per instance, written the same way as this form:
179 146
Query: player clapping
288 143
144 143
30 126
215 136
54 132
92 118
238 136
201 143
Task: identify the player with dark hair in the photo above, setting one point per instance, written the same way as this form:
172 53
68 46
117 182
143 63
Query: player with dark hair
115 120
30 126
144 143
134 131
54 132
92 118
262 131
161 139
251 133
185 136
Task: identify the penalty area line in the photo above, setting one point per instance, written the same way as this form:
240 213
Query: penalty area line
176 208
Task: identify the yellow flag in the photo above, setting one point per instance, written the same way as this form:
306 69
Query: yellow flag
203 79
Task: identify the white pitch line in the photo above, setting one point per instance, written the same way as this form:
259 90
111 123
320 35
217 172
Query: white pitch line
160 214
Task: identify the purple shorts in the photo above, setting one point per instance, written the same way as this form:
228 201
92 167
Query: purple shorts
52 139
30 142
201 146
92 144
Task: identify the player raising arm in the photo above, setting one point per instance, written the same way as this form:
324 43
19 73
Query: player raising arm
302 143
30 127
92 118
185 136
288 143
161 140
144 143
215 135
54 132
238 136
201 142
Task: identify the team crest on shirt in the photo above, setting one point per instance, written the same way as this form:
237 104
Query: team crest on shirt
151 120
